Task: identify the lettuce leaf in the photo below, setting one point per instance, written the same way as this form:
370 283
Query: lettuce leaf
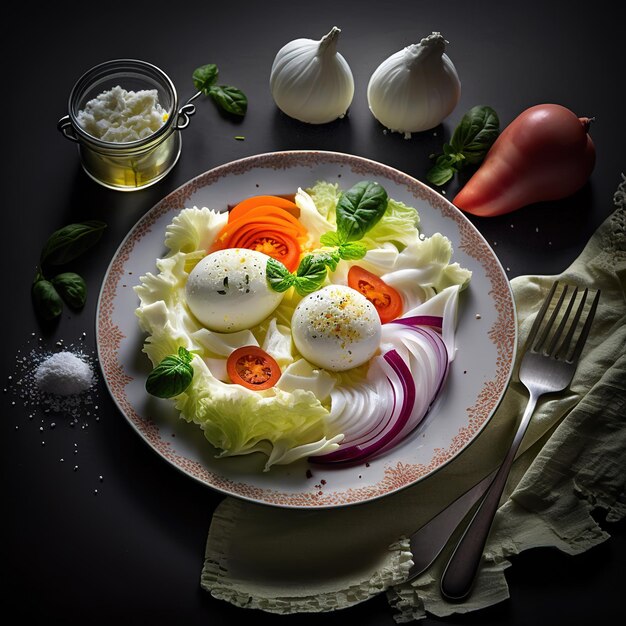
236 420
399 225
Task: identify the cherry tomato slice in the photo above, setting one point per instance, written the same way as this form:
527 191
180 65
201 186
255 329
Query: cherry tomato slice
253 368
386 299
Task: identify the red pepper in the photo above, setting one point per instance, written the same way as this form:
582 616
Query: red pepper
544 154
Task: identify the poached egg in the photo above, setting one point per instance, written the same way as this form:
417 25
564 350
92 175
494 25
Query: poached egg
336 328
227 290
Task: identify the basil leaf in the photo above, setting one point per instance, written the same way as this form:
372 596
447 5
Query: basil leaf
359 209
229 99
310 274
444 169
47 301
440 174
475 134
329 259
331 238
470 142
278 276
72 288
171 376
352 251
204 76
71 241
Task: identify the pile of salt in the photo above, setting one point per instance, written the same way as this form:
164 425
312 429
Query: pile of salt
64 374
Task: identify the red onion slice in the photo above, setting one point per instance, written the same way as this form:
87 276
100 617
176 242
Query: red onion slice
401 386
399 396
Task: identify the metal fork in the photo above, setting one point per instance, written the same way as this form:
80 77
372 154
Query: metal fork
548 366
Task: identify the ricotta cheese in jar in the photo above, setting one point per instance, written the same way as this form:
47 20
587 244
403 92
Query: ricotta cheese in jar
121 116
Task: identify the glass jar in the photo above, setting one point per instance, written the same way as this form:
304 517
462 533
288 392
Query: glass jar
130 165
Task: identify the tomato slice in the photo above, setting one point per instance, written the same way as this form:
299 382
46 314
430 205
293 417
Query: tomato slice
253 368
386 299
279 246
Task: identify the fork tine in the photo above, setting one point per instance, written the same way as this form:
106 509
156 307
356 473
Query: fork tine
540 315
585 331
550 323
551 350
563 349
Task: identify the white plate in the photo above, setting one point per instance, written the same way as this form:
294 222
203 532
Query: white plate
479 374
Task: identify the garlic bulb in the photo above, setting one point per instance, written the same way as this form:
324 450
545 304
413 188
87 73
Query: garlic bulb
416 88
310 81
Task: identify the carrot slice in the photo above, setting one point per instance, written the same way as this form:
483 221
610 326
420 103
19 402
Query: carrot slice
250 203
229 231
265 223
261 213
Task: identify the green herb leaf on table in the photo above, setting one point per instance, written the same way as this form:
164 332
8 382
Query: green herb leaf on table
444 169
72 289
63 246
469 144
204 76
69 242
475 134
46 299
229 99
171 376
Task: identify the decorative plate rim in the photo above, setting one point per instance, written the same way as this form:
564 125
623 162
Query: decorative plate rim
503 334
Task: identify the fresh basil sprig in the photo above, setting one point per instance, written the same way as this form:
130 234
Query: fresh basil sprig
470 142
357 211
63 246
171 376
311 272
309 276
226 97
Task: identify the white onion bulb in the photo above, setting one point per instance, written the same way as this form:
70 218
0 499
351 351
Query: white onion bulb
310 81
416 88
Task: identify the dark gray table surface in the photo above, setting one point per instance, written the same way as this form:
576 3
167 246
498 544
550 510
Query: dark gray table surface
132 552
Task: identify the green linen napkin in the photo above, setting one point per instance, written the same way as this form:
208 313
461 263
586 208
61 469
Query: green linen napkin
571 462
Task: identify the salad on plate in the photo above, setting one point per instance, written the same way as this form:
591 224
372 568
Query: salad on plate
316 325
